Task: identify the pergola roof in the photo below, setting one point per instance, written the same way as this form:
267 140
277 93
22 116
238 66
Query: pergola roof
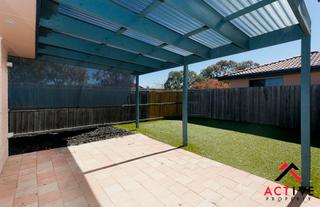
143 36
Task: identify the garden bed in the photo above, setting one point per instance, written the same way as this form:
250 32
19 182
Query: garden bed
63 139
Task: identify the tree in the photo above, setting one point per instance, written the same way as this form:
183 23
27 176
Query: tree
105 78
224 67
175 79
45 73
65 75
210 84
246 64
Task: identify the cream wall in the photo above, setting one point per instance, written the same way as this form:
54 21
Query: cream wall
291 79
18 26
240 83
294 79
3 105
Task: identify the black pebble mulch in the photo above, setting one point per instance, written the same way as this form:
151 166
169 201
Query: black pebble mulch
54 140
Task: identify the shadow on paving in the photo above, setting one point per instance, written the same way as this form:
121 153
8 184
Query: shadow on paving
273 132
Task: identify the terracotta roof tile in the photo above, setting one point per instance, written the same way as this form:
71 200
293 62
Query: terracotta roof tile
282 65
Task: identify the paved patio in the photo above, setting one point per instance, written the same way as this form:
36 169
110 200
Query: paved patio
129 171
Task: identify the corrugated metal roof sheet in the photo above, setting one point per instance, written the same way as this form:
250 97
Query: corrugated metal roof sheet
227 7
173 19
177 50
282 65
142 37
88 17
269 18
134 5
210 38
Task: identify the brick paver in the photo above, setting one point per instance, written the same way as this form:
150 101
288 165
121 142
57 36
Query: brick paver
128 171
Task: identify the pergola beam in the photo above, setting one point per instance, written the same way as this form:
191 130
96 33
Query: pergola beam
65 24
299 8
248 9
210 17
64 53
81 45
111 11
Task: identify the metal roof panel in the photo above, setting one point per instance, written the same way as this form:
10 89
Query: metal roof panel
134 5
142 37
177 50
269 18
210 38
173 19
88 17
227 7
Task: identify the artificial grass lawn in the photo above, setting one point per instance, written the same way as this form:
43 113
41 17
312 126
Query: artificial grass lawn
257 149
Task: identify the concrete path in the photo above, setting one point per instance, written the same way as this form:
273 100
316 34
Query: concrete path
130 171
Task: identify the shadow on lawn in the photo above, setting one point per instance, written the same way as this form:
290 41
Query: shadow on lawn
273 132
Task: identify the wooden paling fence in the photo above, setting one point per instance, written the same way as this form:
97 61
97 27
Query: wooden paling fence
154 104
279 106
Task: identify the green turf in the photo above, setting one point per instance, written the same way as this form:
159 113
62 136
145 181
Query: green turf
257 149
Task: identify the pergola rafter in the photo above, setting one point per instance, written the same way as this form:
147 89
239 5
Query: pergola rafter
64 53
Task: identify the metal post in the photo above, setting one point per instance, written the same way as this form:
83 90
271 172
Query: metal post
305 110
137 101
185 106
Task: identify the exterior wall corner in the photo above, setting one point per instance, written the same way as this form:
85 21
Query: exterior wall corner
3 104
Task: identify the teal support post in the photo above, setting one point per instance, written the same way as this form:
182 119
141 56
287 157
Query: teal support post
305 110
137 102
185 106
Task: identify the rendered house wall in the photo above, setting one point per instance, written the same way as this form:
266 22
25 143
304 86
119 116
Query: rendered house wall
288 80
3 105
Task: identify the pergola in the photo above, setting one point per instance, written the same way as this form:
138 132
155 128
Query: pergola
144 36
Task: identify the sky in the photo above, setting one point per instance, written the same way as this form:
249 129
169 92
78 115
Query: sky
261 56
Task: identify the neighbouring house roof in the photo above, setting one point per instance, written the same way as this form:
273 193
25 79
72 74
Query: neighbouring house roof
291 65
